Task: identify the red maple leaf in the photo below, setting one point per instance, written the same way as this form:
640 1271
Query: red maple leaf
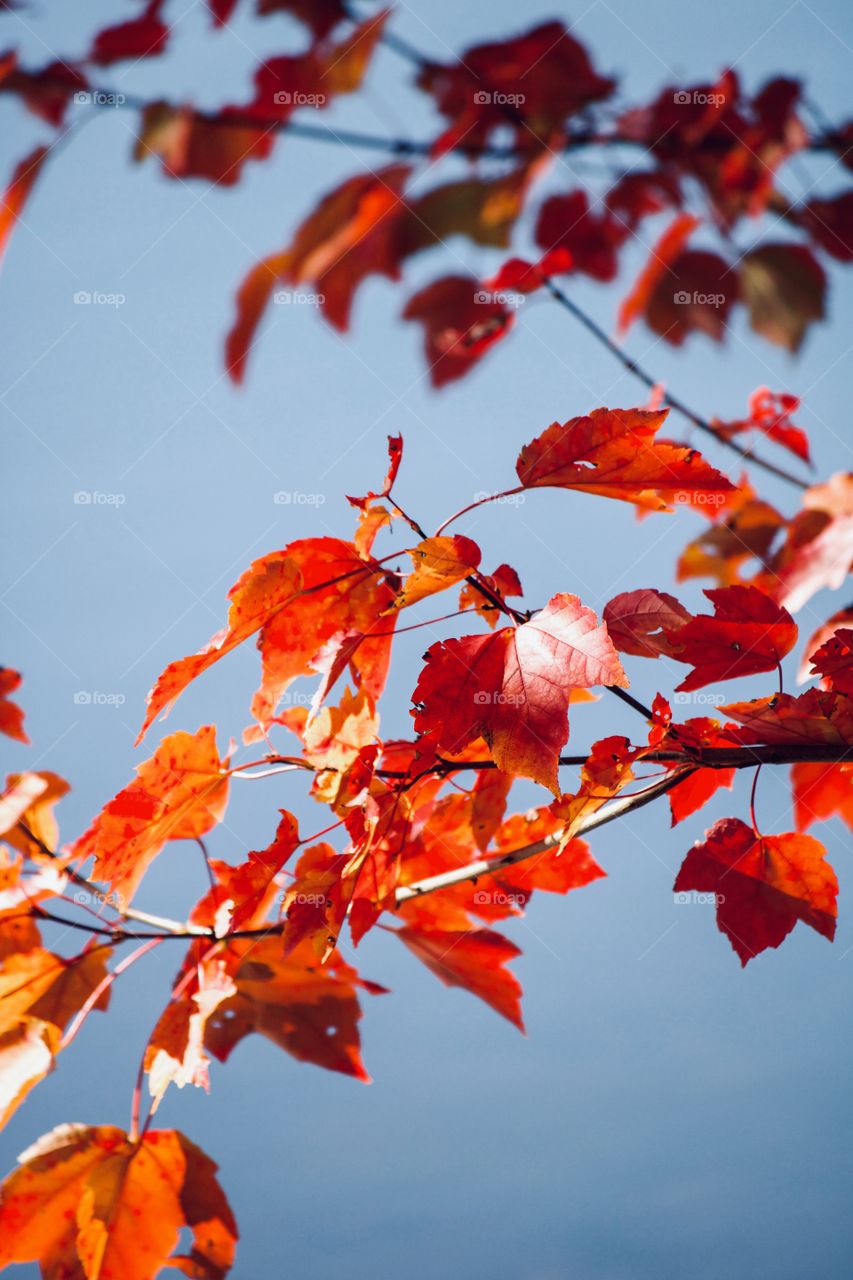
614 453
512 687
748 633
762 884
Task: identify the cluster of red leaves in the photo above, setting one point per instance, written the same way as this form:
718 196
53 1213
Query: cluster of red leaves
541 87
262 943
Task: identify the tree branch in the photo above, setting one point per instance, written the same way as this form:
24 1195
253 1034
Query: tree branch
748 455
736 757
488 866
106 97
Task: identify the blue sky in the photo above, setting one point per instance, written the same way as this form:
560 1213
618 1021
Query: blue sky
668 1115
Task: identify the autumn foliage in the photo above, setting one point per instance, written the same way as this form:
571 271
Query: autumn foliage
419 836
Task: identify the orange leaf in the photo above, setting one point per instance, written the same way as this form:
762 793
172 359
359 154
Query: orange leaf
90 1201
242 895
822 791
27 1054
473 959
17 192
669 246
488 803
179 794
192 145
41 792
252 298
439 563
613 453
309 1010
762 884
605 772
266 586
175 1052
336 621
39 993
504 582
815 717
352 233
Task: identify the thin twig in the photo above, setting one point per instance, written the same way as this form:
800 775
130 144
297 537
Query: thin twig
588 138
743 757
748 455
488 866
